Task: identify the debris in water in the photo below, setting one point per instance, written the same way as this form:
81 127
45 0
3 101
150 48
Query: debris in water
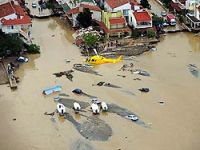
123 76
68 74
50 114
144 90
102 83
85 68
195 71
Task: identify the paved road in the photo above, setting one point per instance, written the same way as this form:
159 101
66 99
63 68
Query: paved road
35 11
155 7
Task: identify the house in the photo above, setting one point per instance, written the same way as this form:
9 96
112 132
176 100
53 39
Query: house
114 24
118 5
140 19
13 19
73 13
193 18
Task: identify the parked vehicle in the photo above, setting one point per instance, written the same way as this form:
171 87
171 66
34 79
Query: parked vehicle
163 13
171 19
34 5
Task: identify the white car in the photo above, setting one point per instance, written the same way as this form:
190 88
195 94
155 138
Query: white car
132 117
22 59
163 13
34 5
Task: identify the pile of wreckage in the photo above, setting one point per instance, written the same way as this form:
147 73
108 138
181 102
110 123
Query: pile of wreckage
78 35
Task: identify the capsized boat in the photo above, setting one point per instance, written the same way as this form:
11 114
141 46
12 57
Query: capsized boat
97 60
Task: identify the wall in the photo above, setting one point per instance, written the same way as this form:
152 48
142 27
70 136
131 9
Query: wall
107 15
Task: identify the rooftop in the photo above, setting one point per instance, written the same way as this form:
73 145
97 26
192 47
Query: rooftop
24 20
142 16
6 9
117 20
116 3
78 9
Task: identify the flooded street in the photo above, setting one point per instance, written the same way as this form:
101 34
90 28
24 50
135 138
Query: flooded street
173 125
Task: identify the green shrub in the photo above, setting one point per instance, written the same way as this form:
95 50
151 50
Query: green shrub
33 49
136 33
151 33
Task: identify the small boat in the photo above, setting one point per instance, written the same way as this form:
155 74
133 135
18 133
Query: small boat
51 90
104 106
61 109
76 107
95 108
132 117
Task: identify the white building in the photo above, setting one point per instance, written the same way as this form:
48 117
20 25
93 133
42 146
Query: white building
140 19
13 19
118 5
73 13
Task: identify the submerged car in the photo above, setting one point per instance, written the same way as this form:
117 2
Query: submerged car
22 59
132 117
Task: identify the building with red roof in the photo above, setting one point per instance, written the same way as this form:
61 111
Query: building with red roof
13 18
114 24
73 13
140 19
118 5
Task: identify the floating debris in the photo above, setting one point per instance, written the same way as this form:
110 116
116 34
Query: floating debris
141 72
68 74
50 114
85 68
144 90
102 83
195 71
80 92
137 79
123 76
161 102
51 90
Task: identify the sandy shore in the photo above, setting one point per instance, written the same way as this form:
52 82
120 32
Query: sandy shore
174 125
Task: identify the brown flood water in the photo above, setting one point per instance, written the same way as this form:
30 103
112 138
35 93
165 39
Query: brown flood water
175 125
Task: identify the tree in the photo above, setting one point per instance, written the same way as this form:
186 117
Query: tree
90 39
11 43
145 4
33 49
151 33
166 3
84 18
157 20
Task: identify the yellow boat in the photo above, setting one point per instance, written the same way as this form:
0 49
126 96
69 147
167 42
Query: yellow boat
97 60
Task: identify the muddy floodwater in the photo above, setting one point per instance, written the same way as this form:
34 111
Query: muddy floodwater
173 125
